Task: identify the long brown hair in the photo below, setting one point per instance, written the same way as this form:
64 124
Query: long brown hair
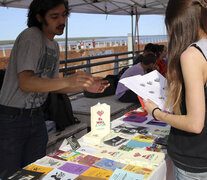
184 19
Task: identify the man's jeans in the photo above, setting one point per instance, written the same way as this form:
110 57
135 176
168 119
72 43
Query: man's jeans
180 174
23 139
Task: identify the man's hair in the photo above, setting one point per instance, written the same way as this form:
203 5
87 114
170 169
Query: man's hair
41 7
150 48
149 58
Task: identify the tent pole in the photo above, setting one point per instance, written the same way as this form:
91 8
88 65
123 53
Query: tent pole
66 45
132 24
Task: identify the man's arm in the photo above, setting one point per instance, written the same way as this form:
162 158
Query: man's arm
28 82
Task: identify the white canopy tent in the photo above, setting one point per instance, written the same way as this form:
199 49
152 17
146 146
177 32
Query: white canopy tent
108 7
116 7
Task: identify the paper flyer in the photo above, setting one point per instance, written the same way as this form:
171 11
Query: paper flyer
149 86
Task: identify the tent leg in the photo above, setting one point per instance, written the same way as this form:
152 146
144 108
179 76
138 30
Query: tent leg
66 46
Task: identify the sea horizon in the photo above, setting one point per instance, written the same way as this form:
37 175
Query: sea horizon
143 39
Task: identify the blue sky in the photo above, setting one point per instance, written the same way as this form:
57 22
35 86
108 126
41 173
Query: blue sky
13 21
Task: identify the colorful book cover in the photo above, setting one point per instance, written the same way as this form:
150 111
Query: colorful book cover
126 148
41 169
98 173
74 168
57 174
57 154
72 156
89 160
25 174
158 131
138 144
108 164
139 170
144 138
49 162
120 174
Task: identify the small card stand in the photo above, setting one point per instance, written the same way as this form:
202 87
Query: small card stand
100 124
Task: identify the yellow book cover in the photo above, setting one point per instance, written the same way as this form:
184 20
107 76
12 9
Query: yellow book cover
98 173
36 168
139 170
144 138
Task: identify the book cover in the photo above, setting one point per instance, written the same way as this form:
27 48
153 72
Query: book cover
74 168
49 162
157 123
72 156
89 160
93 139
98 173
125 148
109 153
135 118
129 129
108 164
115 141
155 131
139 170
37 168
146 157
57 174
25 174
138 144
84 149
144 138
57 154
120 174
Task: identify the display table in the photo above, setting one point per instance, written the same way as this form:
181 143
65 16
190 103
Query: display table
162 172
165 169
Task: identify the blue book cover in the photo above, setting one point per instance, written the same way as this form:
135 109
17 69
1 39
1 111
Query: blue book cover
121 174
108 164
138 144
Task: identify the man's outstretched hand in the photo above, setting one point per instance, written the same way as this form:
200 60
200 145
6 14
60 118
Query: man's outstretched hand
98 85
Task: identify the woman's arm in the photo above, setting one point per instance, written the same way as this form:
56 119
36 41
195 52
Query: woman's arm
193 65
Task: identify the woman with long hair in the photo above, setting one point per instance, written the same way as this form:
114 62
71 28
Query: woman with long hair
186 22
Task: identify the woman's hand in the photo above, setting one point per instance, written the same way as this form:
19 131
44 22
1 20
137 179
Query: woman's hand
149 106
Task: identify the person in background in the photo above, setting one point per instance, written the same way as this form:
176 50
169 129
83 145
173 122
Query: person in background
161 63
93 43
124 94
186 22
149 48
32 72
